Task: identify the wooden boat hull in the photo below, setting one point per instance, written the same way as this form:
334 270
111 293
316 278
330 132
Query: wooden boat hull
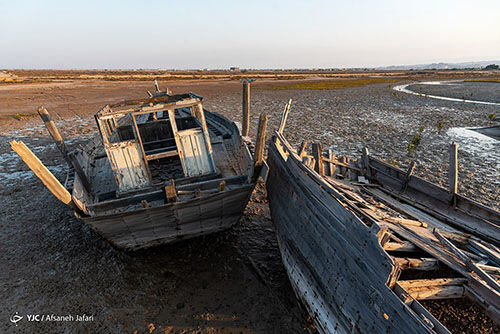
172 222
126 224
491 131
334 261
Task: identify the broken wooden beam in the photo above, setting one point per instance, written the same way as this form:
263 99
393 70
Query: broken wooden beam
260 142
410 222
404 246
416 264
490 281
491 253
436 292
284 116
48 179
245 123
432 289
409 173
418 283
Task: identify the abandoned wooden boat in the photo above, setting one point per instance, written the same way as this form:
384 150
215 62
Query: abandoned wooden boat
367 245
490 131
163 169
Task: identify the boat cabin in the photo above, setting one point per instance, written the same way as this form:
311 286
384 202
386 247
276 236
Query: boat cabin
154 140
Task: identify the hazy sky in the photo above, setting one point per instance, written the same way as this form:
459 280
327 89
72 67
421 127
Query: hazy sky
249 34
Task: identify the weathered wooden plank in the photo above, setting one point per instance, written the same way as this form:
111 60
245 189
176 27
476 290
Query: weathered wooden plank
48 179
418 283
405 246
318 156
436 292
492 254
416 264
80 172
322 252
492 283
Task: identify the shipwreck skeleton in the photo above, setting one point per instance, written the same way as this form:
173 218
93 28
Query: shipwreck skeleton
163 169
365 243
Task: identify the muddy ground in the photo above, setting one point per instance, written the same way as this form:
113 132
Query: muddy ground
53 264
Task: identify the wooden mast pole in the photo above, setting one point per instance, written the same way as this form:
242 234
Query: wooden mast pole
246 108
49 124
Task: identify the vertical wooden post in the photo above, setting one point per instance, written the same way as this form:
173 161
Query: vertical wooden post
49 124
139 139
331 165
318 156
453 169
200 114
366 162
409 173
156 86
284 116
302 150
261 139
246 108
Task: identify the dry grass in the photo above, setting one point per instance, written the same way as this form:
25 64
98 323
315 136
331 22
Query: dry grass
497 80
336 84
19 116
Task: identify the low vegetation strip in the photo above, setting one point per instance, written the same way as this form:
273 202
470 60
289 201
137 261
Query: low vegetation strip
335 84
497 80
